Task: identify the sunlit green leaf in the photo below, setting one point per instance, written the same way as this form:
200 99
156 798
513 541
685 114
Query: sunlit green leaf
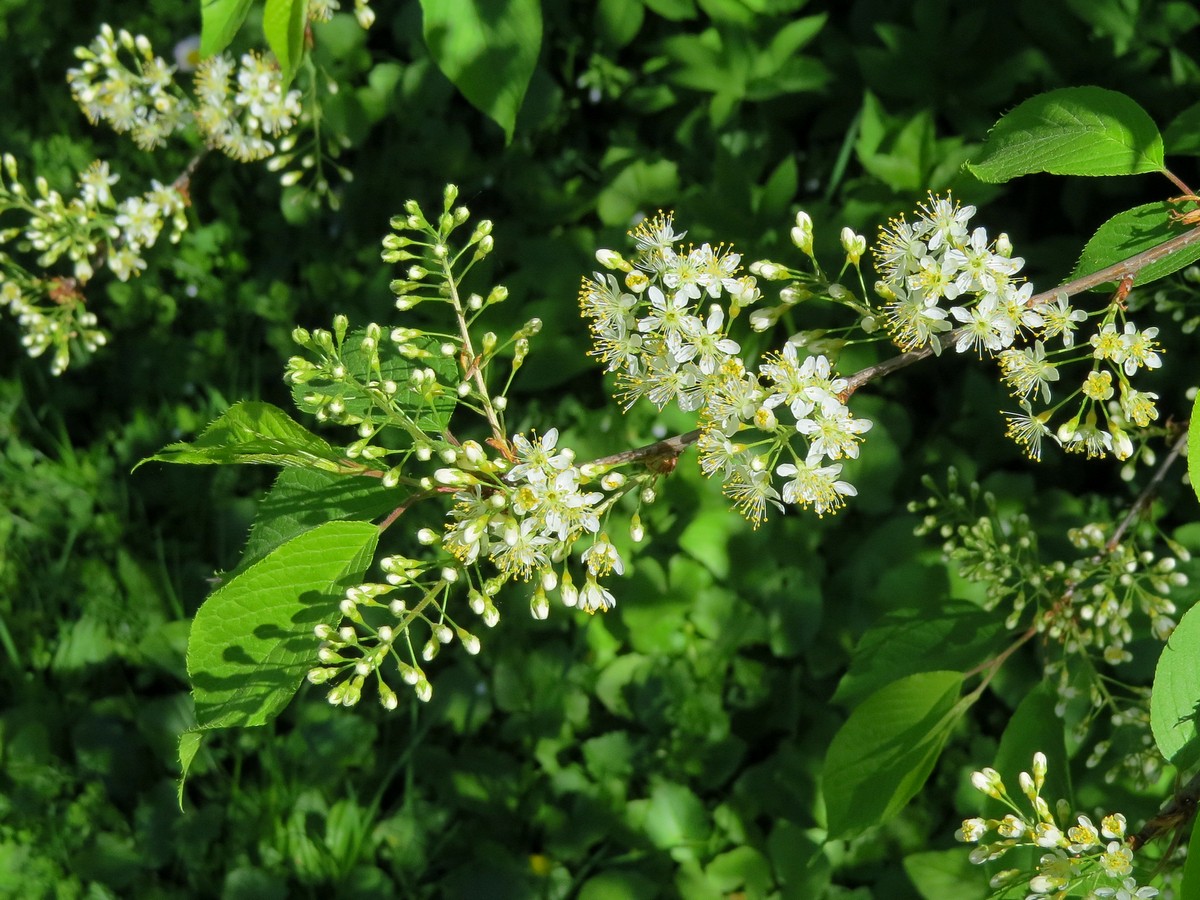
1072 131
488 49
255 432
219 23
1175 698
881 757
1131 232
252 639
283 27
1193 447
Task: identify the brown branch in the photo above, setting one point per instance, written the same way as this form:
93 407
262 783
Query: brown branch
667 447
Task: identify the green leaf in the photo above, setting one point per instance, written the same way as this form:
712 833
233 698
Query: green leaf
283 27
1182 136
884 753
252 639
639 185
1131 232
1190 889
312 396
488 49
1175 697
1193 449
676 820
1035 726
189 746
939 874
956 635
219 23
254 432
1073 131
301 499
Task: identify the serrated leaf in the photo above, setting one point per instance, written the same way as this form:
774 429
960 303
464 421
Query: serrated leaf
252 639
1193 449
956 635
1073 131
283 27
488 49
313 396
189 746
220 21
1131 232
254 432
1175 697
883 754
301 499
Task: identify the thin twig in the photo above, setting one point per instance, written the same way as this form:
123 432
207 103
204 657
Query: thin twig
1143 499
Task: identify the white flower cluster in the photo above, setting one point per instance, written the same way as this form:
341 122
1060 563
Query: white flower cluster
653 333
237 111
91 226
523 517
141 97
936 259
1081 857
530 525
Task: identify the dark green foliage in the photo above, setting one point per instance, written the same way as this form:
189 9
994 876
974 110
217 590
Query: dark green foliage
677 746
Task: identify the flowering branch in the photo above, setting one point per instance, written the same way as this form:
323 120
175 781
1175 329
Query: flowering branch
677 444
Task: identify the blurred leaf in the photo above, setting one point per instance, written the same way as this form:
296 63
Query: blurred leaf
956 635
1182 136
1190 888
1035 726
283 27
1175 698
676 820
1129 233
252 642
895 149
1193 447
675 10
220 21
946 875
488 49
742 867
254 432
1072 131
640 186
617 22
882 755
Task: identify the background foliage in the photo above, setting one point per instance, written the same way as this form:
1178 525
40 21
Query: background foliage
675 746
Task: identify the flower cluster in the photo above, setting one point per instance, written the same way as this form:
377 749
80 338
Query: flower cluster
936 273
237 111
1082 857
139 97
522 510
89 227
1087 609
786 418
